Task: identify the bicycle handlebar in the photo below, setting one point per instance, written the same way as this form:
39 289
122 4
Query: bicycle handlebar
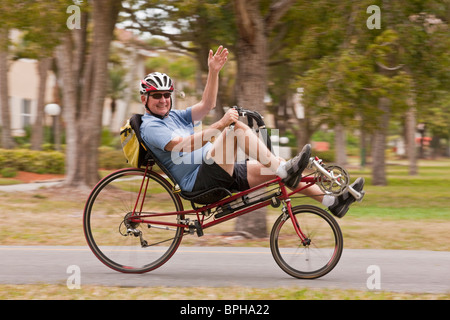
258 118
251 115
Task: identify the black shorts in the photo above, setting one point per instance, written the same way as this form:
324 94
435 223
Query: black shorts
213 176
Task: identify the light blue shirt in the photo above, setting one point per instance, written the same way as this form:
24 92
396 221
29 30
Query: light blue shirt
157 133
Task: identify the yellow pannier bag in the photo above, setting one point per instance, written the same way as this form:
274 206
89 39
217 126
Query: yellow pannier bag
133 149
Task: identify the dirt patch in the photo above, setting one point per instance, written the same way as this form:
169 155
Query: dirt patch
27 177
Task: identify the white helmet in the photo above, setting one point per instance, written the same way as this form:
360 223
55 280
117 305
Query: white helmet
156 81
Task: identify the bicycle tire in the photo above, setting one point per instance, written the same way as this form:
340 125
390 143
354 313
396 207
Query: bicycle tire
105 214
310 260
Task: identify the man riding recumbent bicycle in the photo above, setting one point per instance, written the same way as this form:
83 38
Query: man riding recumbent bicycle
135 219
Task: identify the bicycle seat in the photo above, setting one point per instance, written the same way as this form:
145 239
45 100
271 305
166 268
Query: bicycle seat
206 196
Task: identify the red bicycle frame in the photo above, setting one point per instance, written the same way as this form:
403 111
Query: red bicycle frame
281 195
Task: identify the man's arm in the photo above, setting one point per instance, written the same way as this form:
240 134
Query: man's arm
209 97
199 139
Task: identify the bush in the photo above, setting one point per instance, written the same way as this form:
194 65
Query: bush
327 156
33 161
8 172
111 158
53 161
110 139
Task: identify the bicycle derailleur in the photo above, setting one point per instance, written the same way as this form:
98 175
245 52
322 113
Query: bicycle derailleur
131 230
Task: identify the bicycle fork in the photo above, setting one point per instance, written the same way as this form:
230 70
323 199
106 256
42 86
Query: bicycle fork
287 211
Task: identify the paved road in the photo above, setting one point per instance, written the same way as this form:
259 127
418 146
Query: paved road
28 186
398 270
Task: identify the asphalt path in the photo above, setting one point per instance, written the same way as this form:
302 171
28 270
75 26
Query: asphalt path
386 270
32 186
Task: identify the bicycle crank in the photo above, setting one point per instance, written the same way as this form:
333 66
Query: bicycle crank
332 180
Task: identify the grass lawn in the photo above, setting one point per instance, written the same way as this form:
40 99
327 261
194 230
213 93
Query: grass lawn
88 292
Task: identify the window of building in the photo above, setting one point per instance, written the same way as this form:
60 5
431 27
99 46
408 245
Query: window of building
26 113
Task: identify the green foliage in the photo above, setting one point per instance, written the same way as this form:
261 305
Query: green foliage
199 24
111 158
182 68
8 172
42 23
339 61
33 161
328 157
110 139
116 82
15 160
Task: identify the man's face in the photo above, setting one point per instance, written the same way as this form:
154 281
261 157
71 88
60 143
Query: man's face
158 102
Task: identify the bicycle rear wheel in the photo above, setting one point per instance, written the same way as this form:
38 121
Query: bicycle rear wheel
318 254
107 225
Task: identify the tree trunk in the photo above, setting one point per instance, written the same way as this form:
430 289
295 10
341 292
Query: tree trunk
363 146
281 115
410 130
68 71
380 136
303 133
341 156
7 140
379 145
84 78
251 87
37 133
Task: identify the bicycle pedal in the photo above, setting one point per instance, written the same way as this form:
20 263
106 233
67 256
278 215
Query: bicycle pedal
362 192
198 228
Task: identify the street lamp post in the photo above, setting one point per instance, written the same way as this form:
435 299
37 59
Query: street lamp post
421 128
54 110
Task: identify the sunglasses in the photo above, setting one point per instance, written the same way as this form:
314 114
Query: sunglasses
158 96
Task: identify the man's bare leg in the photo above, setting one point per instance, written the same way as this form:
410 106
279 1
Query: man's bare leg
255 178
225 146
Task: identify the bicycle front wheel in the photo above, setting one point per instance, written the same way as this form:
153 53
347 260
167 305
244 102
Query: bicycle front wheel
313 257
117 241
